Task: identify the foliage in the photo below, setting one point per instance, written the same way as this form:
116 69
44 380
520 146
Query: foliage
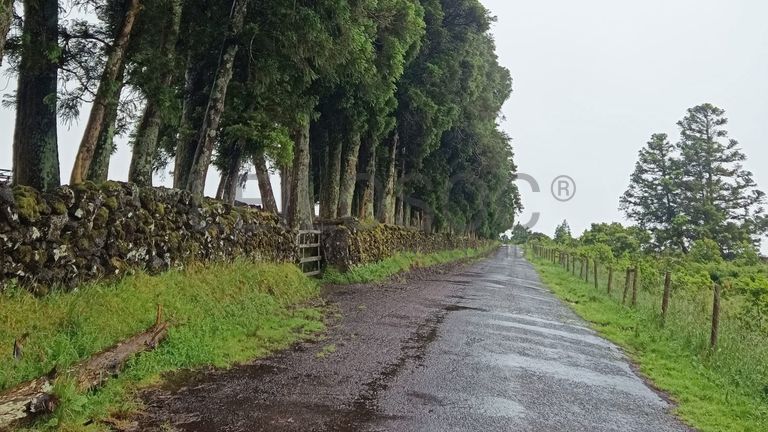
705 251
521 234
563 234
363 72
623 241
697 188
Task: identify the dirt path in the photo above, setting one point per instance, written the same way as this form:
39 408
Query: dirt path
481 347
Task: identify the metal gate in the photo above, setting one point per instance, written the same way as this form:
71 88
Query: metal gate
310 252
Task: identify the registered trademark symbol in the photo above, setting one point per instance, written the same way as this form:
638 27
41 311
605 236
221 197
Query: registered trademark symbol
563 188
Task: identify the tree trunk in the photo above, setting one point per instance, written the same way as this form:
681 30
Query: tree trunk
265 184
6 17
208 131
406 214
349 176
35 139
231 175
330 206
286 179
310 201
145 143
387 215
229 192
369 185
196 79
222 186
106 94
299 215
105 145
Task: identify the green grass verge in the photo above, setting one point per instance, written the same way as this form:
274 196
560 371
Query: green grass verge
220 314
722 390
398 263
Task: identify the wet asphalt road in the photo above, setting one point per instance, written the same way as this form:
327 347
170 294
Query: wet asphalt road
480 347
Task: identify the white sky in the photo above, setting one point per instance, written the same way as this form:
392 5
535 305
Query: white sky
593 80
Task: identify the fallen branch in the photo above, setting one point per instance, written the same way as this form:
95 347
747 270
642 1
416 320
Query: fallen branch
34 397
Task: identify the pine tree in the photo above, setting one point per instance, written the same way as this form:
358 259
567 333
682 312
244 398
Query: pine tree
653 197
719 197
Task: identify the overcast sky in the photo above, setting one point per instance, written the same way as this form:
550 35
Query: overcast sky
593 79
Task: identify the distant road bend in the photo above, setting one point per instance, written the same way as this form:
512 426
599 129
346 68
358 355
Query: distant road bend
479 347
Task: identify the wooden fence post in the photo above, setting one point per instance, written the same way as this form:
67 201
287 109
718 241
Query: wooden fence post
581 268
586 269
610 279
626 286
634 287
665 299
715 318
595 277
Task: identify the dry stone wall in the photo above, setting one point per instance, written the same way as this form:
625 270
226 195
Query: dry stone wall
347 246
85 232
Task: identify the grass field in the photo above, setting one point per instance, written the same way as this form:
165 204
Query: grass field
716 390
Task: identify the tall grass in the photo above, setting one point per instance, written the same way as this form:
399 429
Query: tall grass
220 314
725 389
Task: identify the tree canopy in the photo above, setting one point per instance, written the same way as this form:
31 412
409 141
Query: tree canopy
697 188
383 109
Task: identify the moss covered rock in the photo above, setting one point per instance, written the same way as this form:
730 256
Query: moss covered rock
352 244
85 232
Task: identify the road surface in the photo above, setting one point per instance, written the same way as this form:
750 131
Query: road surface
478 347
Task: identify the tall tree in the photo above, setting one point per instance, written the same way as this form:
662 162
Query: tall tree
106 98
208 129
159 74
35 140
653 198
265 184
717 191
697 189
300 213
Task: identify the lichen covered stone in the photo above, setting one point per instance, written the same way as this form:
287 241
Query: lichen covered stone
88 231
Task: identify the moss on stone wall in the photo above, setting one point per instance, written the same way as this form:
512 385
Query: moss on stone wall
88 231
350 245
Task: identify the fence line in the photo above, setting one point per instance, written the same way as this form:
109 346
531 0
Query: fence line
568 263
